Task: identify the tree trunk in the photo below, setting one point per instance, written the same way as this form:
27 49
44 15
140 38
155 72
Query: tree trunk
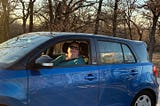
97 18
114 29
31 5
25 16
5 21
50 14
152 40
130 30
24 25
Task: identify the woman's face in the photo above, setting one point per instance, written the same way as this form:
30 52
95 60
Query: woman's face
73 49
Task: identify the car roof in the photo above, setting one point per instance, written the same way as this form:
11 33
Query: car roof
60 34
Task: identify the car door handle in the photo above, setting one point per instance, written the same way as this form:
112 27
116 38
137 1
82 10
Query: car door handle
128 74
90 77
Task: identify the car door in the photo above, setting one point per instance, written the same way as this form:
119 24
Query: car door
64 86
119 73
13 87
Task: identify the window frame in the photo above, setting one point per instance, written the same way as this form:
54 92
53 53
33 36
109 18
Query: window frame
35 54
131 53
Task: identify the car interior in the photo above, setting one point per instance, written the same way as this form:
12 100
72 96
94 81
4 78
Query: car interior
61 48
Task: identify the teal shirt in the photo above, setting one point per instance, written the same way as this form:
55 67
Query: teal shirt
60 61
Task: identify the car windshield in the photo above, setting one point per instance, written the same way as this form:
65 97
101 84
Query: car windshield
15 48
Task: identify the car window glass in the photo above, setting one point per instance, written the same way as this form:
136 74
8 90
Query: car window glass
110 52
15 48
128 56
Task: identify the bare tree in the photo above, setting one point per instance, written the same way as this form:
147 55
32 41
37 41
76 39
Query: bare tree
27 12
114 21
66 13
13 4
81 16
139 30
130 9
154 7
25 15
51 17
5 20
98 15
31 13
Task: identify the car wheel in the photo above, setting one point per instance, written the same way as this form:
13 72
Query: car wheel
144 99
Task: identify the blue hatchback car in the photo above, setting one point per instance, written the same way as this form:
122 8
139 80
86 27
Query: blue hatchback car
116 72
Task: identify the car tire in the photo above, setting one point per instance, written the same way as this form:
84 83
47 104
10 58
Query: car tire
144 98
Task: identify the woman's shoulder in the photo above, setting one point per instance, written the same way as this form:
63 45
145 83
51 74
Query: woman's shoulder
60 58
81 59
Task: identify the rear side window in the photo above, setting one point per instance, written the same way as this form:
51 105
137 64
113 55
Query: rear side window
140 49
112 53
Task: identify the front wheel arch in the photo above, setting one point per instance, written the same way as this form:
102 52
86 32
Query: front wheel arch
148 93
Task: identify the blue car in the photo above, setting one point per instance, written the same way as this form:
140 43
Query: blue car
114 72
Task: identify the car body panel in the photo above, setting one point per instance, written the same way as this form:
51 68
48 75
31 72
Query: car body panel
76 86
13 87
118 83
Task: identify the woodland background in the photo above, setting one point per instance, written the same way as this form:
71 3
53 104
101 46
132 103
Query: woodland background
130 19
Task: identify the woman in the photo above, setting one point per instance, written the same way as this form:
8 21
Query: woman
71 58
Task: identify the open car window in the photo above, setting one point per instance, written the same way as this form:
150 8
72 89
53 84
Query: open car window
60 49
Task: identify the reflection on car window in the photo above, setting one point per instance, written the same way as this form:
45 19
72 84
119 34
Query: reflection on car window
110 52
16 48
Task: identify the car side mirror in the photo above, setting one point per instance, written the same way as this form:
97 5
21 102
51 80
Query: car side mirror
43 65
44 61
47 64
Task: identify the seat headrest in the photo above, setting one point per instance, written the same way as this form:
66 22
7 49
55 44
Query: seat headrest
84 48
65 47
